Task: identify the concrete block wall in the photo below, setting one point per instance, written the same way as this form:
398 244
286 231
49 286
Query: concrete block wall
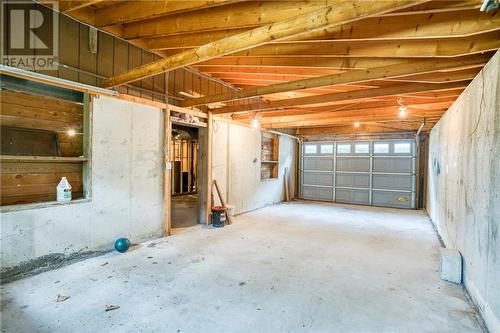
463 198
236 158
127 192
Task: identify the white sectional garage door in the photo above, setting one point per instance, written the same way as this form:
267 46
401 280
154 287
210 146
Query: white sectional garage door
378 173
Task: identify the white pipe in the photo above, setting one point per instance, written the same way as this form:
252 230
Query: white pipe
17 72
484 5
420 129
284 134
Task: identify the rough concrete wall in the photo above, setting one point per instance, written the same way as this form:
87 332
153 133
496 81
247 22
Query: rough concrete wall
464 186
236 167
127 198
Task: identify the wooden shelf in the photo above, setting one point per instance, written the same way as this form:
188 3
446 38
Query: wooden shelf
273 162
14 158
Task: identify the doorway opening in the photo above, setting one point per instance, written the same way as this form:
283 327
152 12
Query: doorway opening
185 181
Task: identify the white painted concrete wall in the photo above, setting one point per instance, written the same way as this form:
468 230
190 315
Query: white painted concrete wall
127 195
463 198
236 167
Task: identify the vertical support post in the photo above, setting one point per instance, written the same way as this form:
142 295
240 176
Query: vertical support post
208 178
167 165
87 146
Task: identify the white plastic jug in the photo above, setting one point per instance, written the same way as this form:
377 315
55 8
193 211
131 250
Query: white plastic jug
63 190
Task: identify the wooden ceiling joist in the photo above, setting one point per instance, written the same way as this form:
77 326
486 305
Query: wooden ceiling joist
417 67
132 11
345 97
400 49
409 102
73 5
391 110
422 26
249 14
350 119
341 13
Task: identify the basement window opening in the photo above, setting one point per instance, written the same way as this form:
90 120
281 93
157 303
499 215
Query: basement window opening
44 137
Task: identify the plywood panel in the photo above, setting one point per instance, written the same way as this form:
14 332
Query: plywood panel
32 182
134 60
88 60
147 83
69 35
105 55
120 62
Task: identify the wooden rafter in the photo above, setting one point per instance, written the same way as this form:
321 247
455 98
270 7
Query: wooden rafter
344 12
72 5
410 102
132 11
400 49
345 97
417 67
422 26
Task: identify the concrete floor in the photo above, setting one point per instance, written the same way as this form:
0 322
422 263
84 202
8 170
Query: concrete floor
184 211
297 267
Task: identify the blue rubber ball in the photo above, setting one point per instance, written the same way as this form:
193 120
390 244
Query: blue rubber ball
122 245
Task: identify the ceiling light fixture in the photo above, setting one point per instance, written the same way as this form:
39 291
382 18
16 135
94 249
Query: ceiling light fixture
255 123
402 108
357 124
71 132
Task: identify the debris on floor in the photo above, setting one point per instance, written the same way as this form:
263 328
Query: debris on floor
62 298
111 307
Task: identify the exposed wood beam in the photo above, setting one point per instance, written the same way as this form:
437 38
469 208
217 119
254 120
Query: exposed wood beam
387 110
350 119
439 6
218 70
245 15
363 128
406 49
416 26
266 79
72 5
277 62
440 77
419 26
242 15
345 97
130 11
416 67
341 13
409 102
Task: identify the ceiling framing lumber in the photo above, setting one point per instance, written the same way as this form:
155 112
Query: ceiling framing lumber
365 117
345 97
409 102
339 63
131 11
391 110
400 49
245 15
423 26
391 71
251 14
341 13
73 5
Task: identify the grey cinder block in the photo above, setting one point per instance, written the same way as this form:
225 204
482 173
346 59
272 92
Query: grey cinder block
451 265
